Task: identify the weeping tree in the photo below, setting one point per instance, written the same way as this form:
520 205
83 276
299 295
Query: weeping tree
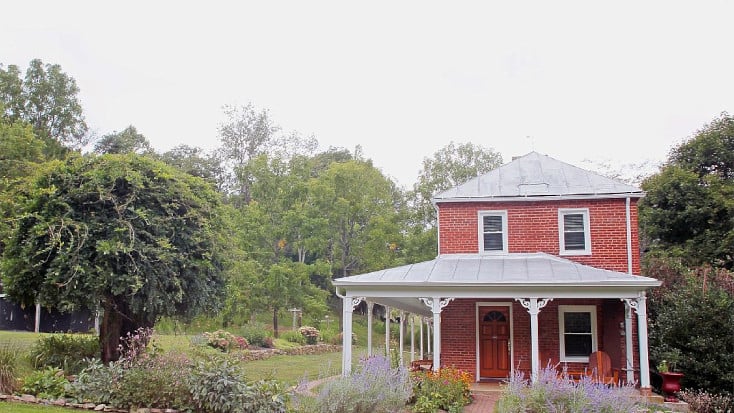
126 234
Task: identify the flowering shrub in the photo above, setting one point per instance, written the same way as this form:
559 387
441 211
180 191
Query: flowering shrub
553 393
311 334
224 340
372 387
704 402
446 389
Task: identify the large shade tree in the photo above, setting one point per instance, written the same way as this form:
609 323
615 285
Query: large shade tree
124 233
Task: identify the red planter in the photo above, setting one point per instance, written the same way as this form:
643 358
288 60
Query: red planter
671 385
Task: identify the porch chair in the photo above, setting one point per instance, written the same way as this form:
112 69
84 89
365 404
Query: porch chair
600 369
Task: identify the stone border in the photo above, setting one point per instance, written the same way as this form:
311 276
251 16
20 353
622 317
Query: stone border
253 355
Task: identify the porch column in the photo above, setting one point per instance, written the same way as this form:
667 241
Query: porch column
428 336
534 305
370 307
402 337
436 304
348 304
639 304
387 332
628 347
420 331
412 338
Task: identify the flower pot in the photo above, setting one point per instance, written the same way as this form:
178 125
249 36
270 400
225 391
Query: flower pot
671 385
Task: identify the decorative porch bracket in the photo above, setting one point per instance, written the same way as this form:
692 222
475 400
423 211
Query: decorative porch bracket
436 304
534 305
639 305
349 304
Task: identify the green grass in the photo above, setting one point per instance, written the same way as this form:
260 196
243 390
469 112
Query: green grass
13 407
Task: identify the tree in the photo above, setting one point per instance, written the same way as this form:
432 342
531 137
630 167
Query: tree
689 207
127 141
122 232
194 161
46 99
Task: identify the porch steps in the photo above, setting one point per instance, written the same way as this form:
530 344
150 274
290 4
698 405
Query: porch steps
487 388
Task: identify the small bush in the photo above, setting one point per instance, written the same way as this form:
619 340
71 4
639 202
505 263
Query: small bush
257 334
8 368
225 341
69 352
550 393
311 334
704 402
220 387
293 337
156 382
337 340
446 389
373 387
48 383
96 383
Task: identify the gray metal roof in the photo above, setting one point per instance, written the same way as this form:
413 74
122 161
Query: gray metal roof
534 269
536 176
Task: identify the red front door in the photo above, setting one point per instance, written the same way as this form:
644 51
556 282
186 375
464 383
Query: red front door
494 342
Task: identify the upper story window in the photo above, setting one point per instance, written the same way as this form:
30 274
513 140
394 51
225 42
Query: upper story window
577 328
574 235
493 232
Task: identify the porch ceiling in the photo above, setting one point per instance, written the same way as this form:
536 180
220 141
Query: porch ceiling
491 276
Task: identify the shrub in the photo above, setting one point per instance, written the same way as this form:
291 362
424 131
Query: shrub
293 337
446 389
704 402
69 352
225 341
373 387
8 368
159 381
337 339
48 383
311 334
219 386
96 383
553 393
257 334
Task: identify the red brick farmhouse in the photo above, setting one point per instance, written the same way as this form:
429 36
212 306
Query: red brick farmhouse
538 261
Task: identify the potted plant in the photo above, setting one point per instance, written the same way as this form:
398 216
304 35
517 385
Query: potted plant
671 379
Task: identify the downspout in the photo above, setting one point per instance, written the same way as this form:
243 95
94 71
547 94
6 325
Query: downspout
629 236
438 228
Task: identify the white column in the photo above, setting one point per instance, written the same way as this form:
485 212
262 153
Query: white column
428 336
402 337
642 336
370 307
412 338
38 318
420 331
348 304
436 304
387 331
533 305
629 350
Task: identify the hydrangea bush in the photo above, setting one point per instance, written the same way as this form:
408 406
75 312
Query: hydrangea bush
225 341
311 334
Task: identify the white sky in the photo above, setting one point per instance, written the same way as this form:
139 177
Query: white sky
618 82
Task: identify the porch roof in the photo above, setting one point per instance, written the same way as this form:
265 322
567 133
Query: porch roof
523 275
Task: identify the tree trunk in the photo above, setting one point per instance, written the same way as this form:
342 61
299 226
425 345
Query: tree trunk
275 322
110 332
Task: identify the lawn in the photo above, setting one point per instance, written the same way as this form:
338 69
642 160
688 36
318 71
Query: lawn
12 407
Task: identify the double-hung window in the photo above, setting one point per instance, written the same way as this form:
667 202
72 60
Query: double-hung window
577 327
573 231
493 232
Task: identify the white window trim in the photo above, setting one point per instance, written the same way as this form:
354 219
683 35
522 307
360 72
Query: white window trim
562 309
587 231
480 231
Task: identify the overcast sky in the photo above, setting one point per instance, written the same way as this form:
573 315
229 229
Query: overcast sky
616 81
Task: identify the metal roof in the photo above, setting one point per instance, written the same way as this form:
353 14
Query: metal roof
526 269
537 176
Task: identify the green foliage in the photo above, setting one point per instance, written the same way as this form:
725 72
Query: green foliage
704 402
447 389
46 98
689 207
220 387
127 141
294 337
256 334
691 326
69 352
122 231
49 383
9 361
224 340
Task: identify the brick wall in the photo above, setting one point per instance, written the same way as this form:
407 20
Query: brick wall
459 334
533 227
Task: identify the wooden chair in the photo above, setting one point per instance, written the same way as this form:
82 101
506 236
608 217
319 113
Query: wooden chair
421 365
600 369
